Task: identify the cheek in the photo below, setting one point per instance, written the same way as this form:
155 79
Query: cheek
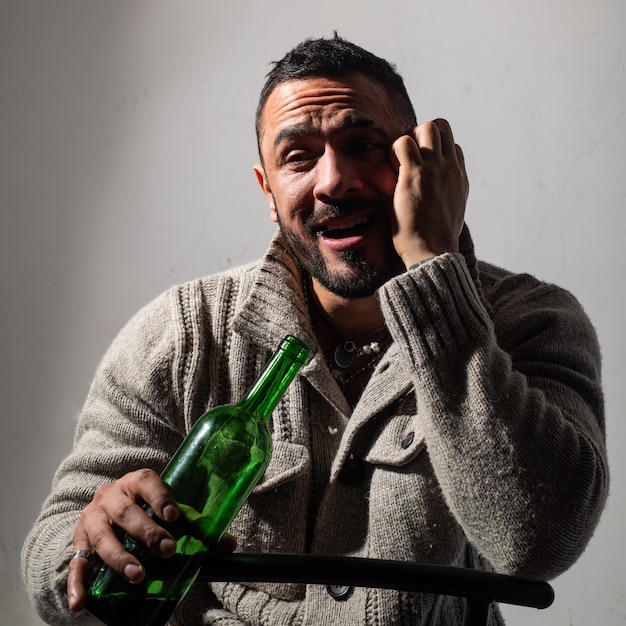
282 198
386 180
294 202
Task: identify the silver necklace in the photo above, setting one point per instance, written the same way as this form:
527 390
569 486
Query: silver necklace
346 352
344 377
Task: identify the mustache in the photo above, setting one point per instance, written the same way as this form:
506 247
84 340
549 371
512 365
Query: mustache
341 209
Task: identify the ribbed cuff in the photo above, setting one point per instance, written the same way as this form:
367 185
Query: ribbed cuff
436 311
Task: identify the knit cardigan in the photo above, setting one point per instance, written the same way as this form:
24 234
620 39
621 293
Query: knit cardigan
480 437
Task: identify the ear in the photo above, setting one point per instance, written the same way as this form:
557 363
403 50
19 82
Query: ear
261 178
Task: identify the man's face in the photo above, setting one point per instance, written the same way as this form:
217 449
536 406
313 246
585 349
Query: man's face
329 179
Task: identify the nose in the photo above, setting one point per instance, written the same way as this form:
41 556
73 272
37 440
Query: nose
336 176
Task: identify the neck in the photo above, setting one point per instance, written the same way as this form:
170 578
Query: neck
352 335
349 317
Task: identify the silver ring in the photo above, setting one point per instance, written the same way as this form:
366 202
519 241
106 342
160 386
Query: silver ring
82 554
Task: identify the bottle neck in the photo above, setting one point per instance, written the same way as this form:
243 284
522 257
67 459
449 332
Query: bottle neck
272 383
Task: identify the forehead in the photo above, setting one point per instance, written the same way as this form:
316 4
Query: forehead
326 105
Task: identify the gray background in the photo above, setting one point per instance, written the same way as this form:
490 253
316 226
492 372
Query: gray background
126 146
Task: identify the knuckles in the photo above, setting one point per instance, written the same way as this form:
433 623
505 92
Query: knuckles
118 558
123 511
144 475
152 534
98 536
117 503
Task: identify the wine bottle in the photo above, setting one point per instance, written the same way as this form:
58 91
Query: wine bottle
211 475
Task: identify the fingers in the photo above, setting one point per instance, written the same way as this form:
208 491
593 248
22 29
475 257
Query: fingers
460 157
446 138
146 485
406 152
430 194
119 504
78 571
429 139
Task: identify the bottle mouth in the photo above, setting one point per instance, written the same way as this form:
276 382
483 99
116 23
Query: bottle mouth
295 348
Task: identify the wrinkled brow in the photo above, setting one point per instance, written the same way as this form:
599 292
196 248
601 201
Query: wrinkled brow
305 128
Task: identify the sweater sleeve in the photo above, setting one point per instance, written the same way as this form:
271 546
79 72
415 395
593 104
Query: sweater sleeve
512 410
132 419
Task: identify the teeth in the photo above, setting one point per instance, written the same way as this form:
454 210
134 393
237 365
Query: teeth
347 223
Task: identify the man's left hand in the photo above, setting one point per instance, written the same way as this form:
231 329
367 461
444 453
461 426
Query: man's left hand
431 193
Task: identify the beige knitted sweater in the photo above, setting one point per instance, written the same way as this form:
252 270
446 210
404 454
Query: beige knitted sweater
497 383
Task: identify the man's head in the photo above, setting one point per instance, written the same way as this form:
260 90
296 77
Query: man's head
327 120
334 58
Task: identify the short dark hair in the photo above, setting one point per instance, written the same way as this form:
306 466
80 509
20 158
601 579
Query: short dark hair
332 58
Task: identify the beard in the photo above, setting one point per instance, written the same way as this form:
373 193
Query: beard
357 276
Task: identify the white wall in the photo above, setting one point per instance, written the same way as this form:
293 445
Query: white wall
126 145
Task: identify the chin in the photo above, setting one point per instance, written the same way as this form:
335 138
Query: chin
360 280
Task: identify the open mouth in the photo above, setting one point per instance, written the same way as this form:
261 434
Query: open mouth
344 228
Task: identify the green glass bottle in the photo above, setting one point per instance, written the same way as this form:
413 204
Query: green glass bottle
210 475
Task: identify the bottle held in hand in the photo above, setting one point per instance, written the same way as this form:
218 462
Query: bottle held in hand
211 475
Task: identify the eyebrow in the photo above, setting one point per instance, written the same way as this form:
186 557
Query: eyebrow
301 130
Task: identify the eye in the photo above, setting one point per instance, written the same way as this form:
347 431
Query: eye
365 146
298 159
296 156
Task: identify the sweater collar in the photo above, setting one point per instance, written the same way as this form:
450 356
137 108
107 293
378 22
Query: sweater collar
275 305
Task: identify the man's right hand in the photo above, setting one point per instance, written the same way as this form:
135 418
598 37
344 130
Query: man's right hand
120 504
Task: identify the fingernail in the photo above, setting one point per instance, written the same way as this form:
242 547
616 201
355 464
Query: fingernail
133 572
167 547
170 512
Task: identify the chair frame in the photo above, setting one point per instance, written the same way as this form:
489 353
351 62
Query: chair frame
480 589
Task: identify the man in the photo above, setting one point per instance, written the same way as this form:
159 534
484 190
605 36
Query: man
452 412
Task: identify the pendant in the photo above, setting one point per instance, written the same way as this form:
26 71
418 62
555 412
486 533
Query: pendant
345 353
